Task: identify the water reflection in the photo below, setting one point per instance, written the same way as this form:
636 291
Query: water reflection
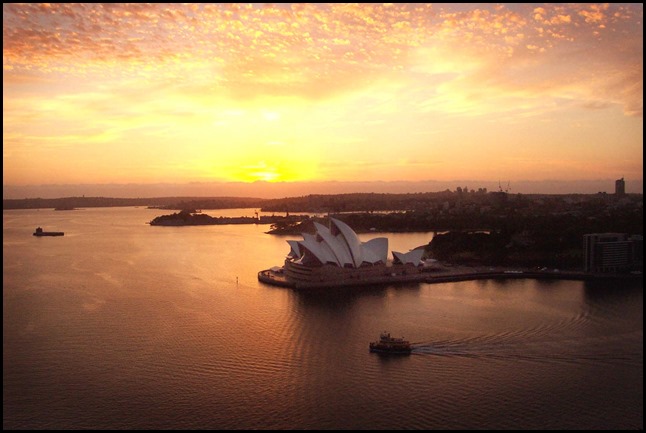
612 289
177 344
610 300
345 297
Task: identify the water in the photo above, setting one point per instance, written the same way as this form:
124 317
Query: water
120 325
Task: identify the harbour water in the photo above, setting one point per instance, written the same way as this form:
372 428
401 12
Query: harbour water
121 325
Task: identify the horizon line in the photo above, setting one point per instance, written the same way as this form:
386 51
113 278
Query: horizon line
273 190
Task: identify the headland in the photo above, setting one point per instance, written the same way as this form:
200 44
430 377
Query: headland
193 217
334 256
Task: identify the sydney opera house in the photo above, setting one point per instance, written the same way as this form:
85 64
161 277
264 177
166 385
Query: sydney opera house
335 256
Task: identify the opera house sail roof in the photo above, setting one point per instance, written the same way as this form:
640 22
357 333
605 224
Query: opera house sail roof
339 245
334 256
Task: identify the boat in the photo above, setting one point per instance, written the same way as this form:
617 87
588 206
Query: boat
39 232
388 344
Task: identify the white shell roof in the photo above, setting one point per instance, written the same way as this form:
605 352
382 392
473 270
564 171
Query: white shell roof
339 245
376 250
295 251
319 249
349 237
414 256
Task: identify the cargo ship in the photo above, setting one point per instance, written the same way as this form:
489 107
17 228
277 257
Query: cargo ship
39 232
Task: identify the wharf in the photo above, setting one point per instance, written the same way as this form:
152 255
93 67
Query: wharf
456 273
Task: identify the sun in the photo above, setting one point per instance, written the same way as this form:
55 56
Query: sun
267 170
264 172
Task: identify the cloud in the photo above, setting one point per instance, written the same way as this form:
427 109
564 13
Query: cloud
339 77
308 50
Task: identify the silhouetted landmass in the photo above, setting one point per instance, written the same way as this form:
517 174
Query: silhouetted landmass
157 202
501 229
506 249
356 202
191 218
495 228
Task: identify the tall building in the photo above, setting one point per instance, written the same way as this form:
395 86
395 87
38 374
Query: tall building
609 252
620 187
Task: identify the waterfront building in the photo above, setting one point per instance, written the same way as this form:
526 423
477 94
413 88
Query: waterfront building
335 256
611 252
637 252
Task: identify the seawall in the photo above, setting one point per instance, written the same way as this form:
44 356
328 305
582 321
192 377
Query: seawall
449 275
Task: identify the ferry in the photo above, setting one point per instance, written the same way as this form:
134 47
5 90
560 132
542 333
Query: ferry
388 344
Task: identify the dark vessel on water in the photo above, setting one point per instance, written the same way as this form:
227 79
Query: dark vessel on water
39 232
388 344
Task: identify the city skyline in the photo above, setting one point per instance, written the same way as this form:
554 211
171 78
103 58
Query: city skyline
271 190
304 94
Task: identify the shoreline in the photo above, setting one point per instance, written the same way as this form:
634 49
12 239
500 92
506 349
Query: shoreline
457 273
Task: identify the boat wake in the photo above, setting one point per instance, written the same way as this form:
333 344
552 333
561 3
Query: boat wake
442 349
570 352
568 339
480 350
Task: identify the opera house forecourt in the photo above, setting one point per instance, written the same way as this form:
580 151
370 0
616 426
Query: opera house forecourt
335 257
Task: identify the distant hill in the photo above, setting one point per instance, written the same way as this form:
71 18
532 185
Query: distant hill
160 202
458 202
271 190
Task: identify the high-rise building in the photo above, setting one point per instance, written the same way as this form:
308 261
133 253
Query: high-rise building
620 187
608 252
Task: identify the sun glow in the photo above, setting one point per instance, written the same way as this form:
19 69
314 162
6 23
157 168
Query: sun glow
308 91
262 172
273 169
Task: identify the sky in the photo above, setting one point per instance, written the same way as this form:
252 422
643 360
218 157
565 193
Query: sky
255 94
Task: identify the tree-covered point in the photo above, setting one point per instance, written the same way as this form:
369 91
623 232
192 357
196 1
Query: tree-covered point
524 232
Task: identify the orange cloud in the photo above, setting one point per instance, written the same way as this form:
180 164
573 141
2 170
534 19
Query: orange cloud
337 76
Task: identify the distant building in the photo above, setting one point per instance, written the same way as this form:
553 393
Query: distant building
612 252
638 252
620 187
